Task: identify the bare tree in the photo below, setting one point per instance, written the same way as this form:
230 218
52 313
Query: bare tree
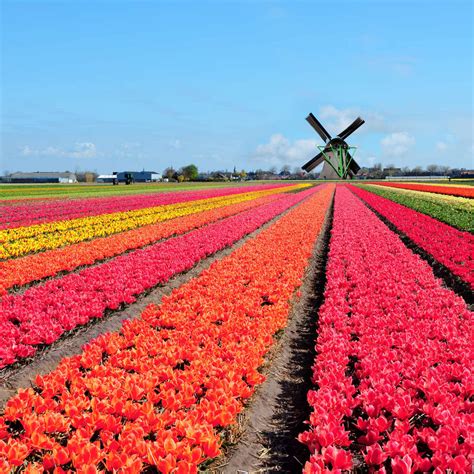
377 171
389 170
432 169
169 172
444 170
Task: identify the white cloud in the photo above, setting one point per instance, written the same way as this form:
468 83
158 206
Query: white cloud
129 150
83 150
397 144
370 161
176 144
401 65
280 150
447 142
336 120
80 150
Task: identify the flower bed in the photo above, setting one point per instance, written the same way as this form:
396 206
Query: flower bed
467 192
451 247
30 213
24 240
43 313
21 271
159 392
394 352
454 211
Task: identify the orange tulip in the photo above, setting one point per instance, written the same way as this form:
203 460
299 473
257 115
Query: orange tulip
16 452
211 447
166 464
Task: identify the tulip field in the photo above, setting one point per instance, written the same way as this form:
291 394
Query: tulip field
392 381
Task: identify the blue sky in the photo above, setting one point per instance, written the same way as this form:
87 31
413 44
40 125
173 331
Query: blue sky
113 85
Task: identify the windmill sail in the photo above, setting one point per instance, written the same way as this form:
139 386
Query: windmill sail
338 162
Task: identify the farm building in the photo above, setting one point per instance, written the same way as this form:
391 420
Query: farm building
106 178
42 177
140 176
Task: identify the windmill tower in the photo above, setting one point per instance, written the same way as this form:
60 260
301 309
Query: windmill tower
336 154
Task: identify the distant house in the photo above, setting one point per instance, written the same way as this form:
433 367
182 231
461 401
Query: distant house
391 171
42 177
140 176
415 178
105 178
466 174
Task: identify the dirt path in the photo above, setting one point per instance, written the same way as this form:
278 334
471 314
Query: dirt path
277 411
22 374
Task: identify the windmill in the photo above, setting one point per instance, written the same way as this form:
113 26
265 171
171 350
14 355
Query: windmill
336 154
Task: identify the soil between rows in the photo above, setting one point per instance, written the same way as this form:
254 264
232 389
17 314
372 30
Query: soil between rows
278 410
22 374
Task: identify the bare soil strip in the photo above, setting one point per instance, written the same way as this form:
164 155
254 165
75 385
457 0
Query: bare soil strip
277 412
22 374
450 280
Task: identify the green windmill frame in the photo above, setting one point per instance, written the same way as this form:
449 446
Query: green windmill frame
341 153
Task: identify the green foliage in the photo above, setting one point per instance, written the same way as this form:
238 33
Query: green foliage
189 172
457 212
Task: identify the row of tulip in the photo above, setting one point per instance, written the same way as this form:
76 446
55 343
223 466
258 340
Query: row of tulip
179 200
455 211
157 394
24 240
451 247
462 191
34 267
32 194
43 313
394 351
29 213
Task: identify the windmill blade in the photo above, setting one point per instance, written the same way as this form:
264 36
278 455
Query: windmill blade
353 166
321 131
351 128
317 160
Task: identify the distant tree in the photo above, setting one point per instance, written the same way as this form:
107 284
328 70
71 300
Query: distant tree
243 174
285 169
444 170
259 173
406 171
389 170
433 169
417 171
272 170
189 172
169 172
377 171
180 178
